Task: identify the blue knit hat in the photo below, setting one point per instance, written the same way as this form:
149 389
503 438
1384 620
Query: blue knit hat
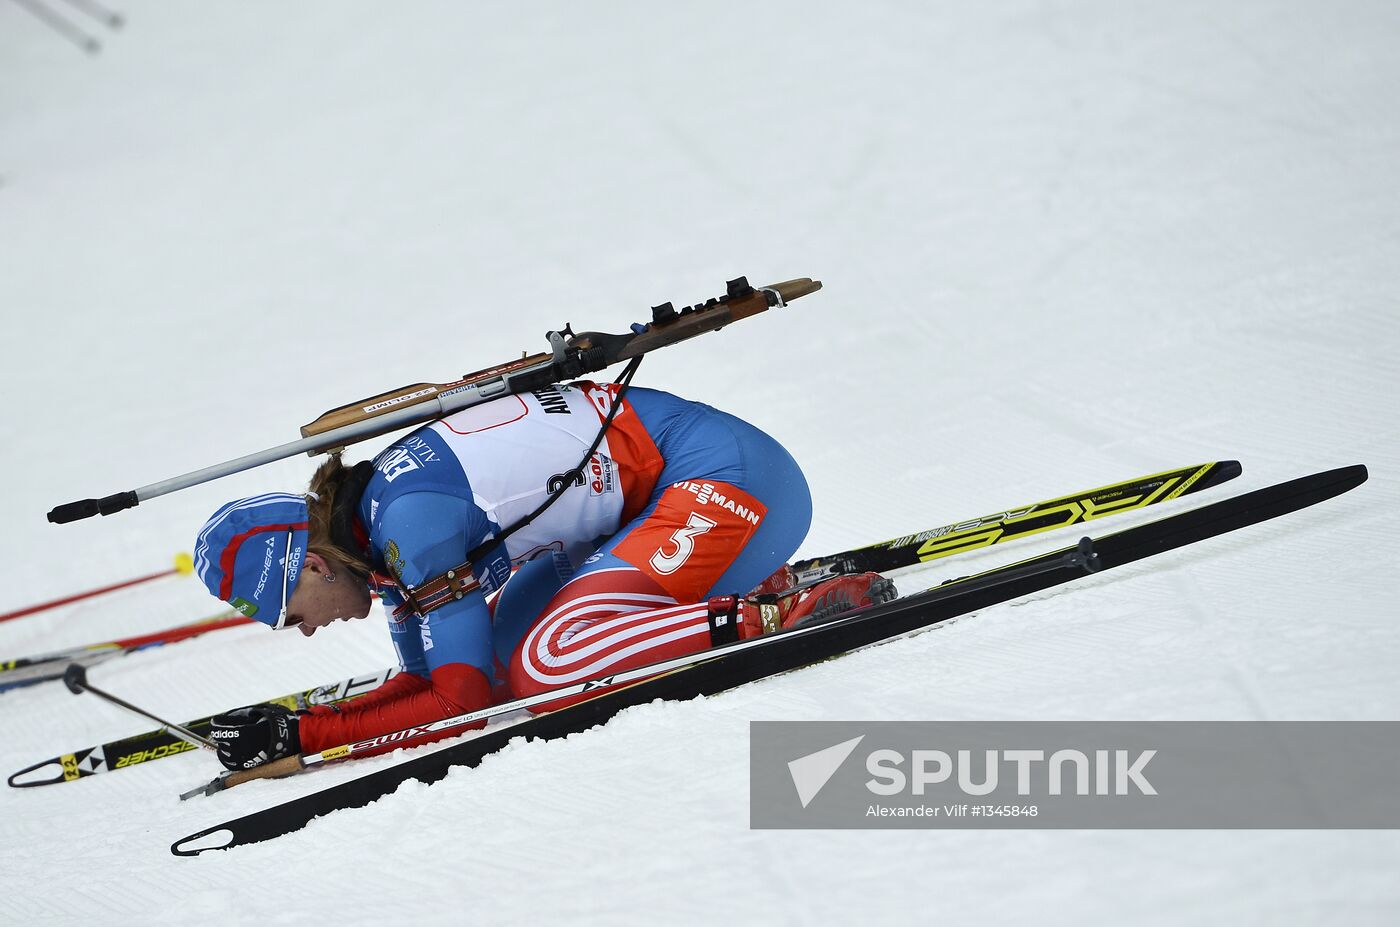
250 554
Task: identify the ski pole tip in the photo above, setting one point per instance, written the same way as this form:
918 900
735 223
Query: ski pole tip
75 678
217 784
184 564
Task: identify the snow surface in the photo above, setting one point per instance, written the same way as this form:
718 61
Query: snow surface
1063 243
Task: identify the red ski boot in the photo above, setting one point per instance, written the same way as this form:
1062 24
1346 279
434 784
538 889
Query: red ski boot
835 596
766 609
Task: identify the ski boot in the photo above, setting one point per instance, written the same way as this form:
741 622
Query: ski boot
775 605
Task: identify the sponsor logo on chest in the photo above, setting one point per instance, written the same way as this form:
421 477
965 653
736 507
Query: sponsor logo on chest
602 474
408 455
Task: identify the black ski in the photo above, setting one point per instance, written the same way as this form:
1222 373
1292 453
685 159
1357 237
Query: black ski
737 664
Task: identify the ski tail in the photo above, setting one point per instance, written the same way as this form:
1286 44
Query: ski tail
1017 522
756 658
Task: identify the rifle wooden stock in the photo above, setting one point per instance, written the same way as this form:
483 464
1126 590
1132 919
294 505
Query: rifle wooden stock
583 353
419 392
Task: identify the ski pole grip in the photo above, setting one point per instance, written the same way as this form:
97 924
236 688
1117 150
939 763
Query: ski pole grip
73 511
117 501
287 766
86 508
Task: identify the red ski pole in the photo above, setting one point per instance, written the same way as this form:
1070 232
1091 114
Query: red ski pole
183 566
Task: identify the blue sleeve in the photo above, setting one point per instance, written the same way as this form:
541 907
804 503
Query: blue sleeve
422 535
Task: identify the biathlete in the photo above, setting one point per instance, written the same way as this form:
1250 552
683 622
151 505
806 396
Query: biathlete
509 569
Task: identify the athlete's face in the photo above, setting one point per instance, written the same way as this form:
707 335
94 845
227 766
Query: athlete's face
318 599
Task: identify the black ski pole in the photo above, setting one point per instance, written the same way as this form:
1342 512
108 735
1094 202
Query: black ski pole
108 18
75 678
60 25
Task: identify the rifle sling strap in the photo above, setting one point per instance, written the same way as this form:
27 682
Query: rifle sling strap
448 587
428 597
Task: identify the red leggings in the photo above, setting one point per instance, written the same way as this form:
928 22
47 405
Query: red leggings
641 598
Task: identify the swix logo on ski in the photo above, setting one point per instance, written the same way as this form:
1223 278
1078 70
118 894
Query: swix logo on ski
404 457
392 738
707 494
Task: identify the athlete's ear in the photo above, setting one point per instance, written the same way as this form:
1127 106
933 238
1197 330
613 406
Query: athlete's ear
317 564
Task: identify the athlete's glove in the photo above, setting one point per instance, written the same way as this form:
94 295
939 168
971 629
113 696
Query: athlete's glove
248 737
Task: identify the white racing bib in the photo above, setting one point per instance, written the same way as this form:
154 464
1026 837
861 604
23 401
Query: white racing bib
516 452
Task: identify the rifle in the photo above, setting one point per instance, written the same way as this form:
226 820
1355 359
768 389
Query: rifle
570 356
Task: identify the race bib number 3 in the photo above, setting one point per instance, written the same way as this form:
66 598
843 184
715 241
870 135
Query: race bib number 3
695 534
